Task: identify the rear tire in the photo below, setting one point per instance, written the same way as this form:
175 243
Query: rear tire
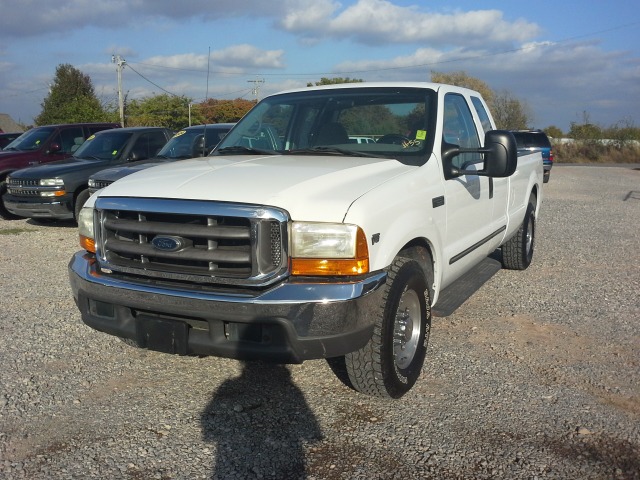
389 365
518 251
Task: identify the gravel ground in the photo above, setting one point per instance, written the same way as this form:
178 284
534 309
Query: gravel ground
535 376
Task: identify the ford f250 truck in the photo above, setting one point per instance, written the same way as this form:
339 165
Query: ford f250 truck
290 242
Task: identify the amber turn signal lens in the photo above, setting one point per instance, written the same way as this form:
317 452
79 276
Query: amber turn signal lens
328 267
89 244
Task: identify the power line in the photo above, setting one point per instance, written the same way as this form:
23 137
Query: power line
152 83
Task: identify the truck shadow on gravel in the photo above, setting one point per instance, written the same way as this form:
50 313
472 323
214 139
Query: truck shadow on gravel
52 222
260 424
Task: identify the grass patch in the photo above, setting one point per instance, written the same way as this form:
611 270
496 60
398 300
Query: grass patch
592 152
16 231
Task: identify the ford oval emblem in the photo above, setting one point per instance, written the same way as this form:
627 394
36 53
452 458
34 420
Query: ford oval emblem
167 243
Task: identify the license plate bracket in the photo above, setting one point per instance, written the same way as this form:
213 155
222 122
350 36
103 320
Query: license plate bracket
161 335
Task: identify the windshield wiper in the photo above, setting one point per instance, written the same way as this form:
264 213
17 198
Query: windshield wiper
332 151
238 149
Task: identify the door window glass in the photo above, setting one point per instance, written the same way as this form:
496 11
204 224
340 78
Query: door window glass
482 114
68 138
460 130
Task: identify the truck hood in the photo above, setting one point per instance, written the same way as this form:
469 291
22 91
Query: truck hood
296 183
61 167
114 173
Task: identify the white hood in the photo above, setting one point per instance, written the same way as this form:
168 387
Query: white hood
313 188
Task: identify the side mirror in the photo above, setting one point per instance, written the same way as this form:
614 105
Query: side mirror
136 155
54 148
500 156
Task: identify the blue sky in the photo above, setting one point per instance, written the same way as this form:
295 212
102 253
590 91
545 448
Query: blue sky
563 58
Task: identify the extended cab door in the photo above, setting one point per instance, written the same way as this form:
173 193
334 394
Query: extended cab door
468 199
498 187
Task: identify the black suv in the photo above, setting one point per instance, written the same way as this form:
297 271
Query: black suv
190 142
536 141
59 189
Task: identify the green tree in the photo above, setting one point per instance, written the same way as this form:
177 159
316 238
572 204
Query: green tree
586 131
622 133
334 81
163 110
224 111
508 112
71 99
553 131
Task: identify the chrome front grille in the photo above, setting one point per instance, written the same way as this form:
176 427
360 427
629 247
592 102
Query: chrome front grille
23 187
192 241
13 182
98 184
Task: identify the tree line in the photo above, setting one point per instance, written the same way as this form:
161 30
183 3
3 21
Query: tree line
72 99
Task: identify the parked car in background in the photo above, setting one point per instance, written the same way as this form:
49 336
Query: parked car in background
7 138
536 141
58 190
190 142
43 145
360 139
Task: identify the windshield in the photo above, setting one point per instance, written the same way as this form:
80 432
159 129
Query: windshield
31 140
104 146
193 142
366 121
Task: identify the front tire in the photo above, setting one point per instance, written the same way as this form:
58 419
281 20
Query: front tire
518 251
82 197
4 213
389 365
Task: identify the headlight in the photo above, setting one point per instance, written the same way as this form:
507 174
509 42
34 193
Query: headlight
51 182
85 229
92 183
328 249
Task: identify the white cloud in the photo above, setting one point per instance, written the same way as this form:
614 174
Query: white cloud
372 22
249 56
382 22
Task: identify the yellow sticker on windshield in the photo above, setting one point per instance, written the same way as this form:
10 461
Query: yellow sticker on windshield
91 138
181 132
421 135
114 153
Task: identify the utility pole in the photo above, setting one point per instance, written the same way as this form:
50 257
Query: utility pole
256 88
120 63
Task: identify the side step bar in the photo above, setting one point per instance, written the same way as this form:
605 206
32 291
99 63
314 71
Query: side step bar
459 291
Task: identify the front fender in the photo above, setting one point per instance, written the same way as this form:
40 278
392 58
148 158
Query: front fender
401 212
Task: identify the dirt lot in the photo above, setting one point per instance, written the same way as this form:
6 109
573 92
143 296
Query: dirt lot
535 376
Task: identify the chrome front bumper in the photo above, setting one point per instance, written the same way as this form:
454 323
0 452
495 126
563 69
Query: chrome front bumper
290 322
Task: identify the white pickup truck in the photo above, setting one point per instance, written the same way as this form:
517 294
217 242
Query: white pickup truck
292 241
